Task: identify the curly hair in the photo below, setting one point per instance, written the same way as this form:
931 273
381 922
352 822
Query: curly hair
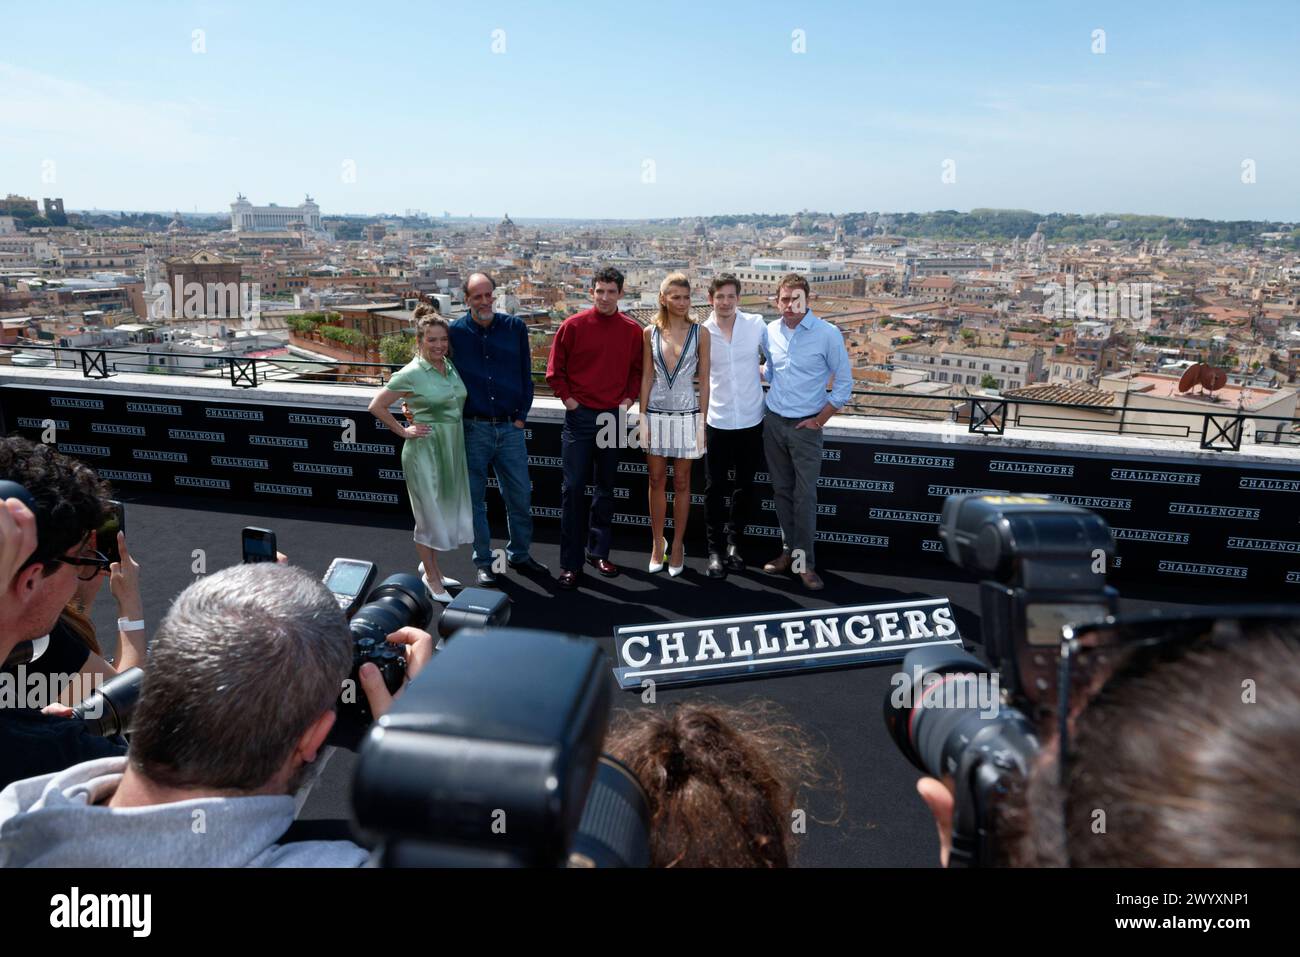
71 500
722 782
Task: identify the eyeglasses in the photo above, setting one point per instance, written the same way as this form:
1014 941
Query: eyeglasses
96 562
1092 653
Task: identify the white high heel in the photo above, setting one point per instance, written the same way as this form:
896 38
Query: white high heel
654 566
675 570
443 596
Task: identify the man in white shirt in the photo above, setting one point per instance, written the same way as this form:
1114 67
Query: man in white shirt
735 423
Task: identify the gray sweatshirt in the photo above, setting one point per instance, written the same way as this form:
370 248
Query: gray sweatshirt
59 820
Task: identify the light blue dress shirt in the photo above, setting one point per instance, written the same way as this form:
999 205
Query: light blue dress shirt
799 364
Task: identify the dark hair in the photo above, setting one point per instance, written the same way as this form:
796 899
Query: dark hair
721 782
1185 768
71 500
795 281
464 287
723 279
608 274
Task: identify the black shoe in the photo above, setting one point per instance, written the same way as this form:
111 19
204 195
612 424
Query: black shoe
569 580
733 560
603 565
530 565
716 568
486 579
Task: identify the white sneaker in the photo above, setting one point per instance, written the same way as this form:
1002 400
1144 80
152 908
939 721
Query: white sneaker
443 596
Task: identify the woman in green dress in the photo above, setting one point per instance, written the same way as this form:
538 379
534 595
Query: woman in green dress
433 455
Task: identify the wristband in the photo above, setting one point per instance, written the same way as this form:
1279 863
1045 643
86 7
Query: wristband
126 624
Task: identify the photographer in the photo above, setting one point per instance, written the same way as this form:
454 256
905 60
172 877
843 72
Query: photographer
721 782
73 651
244 673
1180 759
70 504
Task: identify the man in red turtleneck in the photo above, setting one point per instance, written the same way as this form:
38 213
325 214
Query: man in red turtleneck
595 370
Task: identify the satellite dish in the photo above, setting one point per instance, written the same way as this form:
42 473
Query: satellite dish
1190 378
1214 379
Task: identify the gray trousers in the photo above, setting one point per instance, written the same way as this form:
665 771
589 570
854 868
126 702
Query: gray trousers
794 459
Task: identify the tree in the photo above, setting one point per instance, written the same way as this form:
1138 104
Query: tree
397 349
303 325
988 381
347 337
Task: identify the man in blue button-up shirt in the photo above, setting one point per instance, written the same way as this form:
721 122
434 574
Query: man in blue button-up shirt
804 355
490 350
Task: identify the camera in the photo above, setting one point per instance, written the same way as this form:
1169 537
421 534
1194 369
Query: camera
954 716
396 602
107 710
492 758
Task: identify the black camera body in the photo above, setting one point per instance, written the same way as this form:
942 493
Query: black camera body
1046 563
492 758
396 602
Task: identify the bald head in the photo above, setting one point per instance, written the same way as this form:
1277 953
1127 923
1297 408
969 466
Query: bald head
478 296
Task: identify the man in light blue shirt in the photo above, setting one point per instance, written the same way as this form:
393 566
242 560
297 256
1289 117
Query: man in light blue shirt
804 355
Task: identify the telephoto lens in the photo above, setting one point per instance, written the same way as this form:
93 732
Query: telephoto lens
946 714
396 602
615 827
107 710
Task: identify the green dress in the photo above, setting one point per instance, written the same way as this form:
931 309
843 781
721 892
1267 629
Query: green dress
436 477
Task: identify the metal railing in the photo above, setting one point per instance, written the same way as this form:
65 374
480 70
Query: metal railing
1220 430
241 371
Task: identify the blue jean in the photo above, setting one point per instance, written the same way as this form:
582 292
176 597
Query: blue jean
501 446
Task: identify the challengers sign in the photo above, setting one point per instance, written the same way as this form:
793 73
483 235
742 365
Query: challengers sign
717 649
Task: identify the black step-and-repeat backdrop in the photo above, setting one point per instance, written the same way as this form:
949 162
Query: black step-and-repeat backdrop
1176 521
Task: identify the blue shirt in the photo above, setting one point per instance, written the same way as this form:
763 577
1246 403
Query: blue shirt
495 365
799 364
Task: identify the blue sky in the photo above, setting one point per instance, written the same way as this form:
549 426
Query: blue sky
384 106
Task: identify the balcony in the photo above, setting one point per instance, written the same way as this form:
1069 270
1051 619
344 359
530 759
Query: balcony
197 459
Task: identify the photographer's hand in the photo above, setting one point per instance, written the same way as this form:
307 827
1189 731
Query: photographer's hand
124 582
419 649
938 797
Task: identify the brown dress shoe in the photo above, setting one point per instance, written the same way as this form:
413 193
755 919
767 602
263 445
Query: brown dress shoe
812 581
778 565
603 565
568 580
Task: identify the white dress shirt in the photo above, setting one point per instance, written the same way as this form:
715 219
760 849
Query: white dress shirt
735 383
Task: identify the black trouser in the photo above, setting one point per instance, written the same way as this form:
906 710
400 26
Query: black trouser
739 451
580 452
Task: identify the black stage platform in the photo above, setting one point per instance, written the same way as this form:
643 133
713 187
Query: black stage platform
874 819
